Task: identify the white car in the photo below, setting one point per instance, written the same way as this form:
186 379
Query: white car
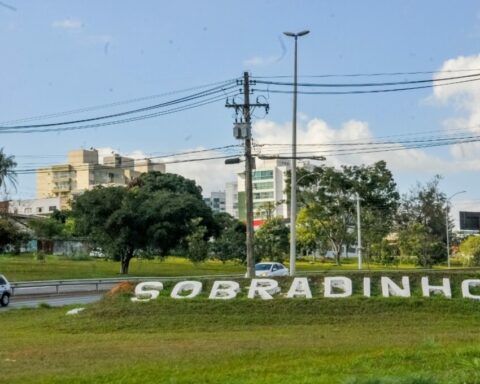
270 269
5 291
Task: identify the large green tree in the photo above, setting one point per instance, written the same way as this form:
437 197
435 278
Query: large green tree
229 240
271 240
7 172
327 196
154 214
424 208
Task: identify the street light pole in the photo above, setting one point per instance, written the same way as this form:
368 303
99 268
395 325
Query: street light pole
359 232
447 225
293 179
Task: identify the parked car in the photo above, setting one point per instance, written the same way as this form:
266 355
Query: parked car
5 291
270 269
96 252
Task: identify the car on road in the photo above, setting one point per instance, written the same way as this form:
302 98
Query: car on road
96 252
5 291
270 269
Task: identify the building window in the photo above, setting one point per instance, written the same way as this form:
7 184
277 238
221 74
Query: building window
52 208
39 209
264 185
263 195
262 175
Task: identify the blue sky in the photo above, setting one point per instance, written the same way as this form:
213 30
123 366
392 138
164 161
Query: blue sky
63 55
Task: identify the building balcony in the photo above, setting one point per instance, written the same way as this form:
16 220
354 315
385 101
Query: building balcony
61 188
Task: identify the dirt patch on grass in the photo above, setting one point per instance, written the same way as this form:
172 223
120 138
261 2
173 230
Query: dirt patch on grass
121 289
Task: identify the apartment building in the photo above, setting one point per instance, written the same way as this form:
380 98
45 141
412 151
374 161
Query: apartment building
34 207
83 171
269 197
216 201
231 198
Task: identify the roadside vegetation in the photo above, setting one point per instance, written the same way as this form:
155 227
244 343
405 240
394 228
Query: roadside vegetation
28 267
162 214
352 340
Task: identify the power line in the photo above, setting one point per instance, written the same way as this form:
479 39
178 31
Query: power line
428 139
370 74
122 121
352 85
388 90
209 92
130 163
114 104
373 149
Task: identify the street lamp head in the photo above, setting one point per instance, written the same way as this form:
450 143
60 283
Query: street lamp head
455 194
291 34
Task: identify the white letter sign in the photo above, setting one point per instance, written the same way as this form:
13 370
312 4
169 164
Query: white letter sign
299 287
466 284
264 288
147 291
389 288
340 282
444 288
184 286
224 290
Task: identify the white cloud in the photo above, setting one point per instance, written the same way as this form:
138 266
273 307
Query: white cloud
317 136
465 98
68 24
260 61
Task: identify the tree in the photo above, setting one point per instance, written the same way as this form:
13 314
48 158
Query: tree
425 206
197 245
7 173
271 240
229 241
309 233
328 196
11 235
154 214
470 250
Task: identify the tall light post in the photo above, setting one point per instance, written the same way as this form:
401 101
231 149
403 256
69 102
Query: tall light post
446 225
293 194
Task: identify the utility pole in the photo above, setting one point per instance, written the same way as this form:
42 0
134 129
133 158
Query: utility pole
243 130
359 233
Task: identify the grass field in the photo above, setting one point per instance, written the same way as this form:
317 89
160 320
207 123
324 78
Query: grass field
25 267
356 340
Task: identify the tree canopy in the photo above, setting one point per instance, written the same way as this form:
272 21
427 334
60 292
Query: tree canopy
7 172
154 214
327 198
421 220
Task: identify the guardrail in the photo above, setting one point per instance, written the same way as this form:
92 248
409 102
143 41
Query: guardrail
97 285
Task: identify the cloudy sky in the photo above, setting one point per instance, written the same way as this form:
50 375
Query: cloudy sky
61 56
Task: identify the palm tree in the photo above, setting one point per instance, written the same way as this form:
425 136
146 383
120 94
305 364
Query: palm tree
7 164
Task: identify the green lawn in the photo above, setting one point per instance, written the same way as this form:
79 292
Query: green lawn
25 267
355 340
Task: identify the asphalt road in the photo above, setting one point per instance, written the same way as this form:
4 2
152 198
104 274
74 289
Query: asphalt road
54 301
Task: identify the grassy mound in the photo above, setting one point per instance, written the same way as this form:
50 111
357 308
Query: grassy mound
356 340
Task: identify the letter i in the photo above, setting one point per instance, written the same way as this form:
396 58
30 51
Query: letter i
366 286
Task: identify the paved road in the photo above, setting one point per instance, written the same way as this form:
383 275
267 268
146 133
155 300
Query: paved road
54 301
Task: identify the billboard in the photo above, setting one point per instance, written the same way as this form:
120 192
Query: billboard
469 221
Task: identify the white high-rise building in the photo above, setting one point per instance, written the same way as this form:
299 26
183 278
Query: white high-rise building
231 198
269 185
